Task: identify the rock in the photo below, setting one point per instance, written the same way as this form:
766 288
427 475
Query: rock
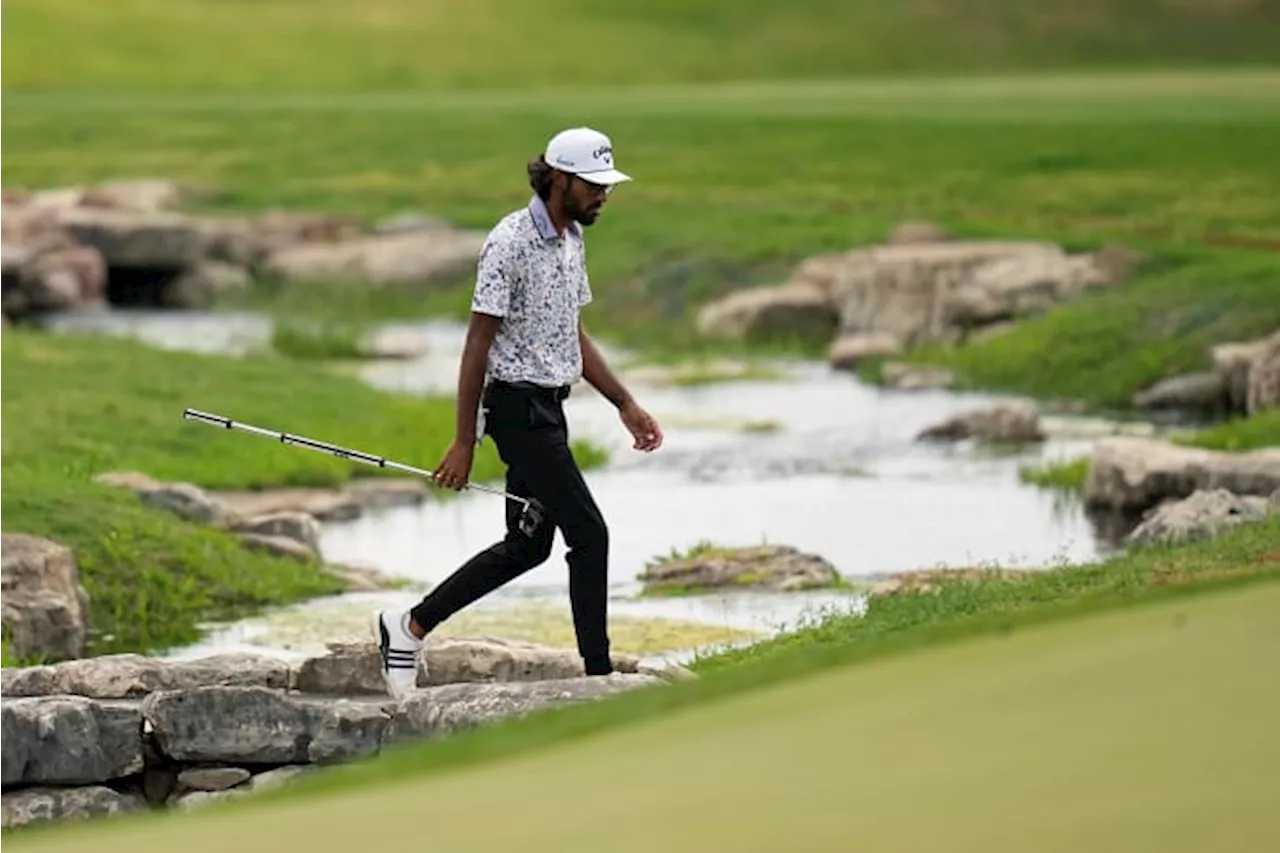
438 256
212 778
1202 515
1264 378
271 727
776 567
1200 392
1022 284
157 240
911 377
1233 362
271 779
382 492
45 608
127 676
200 285
196 799
931 580
847 350
133 480
322 504
290 524
189 502
139 196
351 669
793 310
279 546
69 740
1131 474
409 221
42 805
1011 422
359 578
64 277
457 707
916 233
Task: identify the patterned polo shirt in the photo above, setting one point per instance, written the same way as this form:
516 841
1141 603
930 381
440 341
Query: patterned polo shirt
536 280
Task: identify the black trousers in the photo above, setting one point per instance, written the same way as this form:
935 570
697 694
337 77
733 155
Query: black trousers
528 426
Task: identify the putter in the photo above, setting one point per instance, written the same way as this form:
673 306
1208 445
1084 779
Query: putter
531 516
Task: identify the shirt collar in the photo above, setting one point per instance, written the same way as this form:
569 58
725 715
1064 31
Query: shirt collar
542 220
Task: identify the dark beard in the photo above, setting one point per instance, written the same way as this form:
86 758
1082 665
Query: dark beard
572 211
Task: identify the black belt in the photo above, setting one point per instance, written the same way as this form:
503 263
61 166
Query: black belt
557 392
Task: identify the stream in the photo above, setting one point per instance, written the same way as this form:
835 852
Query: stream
815 459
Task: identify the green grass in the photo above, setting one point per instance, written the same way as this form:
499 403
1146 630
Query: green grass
77 407
317 341
957 689
1058 476
398 45
1161 162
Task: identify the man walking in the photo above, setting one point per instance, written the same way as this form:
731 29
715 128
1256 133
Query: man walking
525 347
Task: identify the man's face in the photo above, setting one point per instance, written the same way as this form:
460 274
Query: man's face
583 200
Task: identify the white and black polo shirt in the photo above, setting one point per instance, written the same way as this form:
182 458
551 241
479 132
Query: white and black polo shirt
536 280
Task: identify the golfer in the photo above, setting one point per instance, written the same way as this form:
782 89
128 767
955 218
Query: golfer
525 347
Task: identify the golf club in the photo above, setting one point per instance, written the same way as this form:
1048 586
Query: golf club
531 516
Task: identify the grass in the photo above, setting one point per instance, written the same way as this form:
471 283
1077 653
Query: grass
1162 162
152 578
398 45
924 690
317 341
1058 476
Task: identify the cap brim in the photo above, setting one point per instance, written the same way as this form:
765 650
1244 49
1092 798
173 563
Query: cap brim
605 177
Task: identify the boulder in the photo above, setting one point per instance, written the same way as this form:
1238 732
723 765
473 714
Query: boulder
200 285
437 256
69 740
1022 284
290 524
780 568
127 676
64 277
142 195
914 377
1010 422
45 608
1264 378
1233 362
761 313
1132 474
1200 392
126 238
847 351
279 546
212 778
271 727
1202 515
457 707
43 805
914 233
189 502
930 580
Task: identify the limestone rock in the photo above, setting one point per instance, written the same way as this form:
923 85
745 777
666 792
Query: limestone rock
911 377
1200 392
200 285
45 608
160 239
1202 515
1134 474
780 568
1234 361
44 805
1014 422
914 233
847 350
271 727
1264 378
69 740
290 524
126 676
456 707
212 778
792 310
279 546
188 502
437 256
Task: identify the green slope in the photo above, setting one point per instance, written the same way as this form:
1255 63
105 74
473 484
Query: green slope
1150 728
417 44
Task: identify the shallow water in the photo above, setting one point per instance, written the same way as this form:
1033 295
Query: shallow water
838 475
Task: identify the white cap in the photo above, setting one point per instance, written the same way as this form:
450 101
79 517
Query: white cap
586 153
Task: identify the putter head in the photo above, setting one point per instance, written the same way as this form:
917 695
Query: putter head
532 517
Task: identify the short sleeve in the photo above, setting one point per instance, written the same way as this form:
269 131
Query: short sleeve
493 278
584 288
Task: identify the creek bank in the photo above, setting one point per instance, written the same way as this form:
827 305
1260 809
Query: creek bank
1204 514
127 732
780 568
127 242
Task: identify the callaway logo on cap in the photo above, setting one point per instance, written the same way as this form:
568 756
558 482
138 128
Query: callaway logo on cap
586 153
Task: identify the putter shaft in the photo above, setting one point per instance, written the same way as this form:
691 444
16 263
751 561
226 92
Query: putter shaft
333 450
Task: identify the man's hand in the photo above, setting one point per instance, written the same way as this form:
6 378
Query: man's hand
641 424
454 469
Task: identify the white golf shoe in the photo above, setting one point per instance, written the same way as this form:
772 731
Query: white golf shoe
399 650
